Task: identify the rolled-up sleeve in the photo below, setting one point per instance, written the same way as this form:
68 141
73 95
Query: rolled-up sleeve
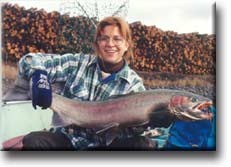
57 66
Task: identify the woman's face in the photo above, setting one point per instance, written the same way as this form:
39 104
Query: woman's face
111 44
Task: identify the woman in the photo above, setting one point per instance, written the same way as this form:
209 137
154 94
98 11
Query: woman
86 77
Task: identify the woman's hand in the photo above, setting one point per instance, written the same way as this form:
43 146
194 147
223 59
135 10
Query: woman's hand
41 89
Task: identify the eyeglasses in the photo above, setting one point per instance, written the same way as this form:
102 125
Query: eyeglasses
117 40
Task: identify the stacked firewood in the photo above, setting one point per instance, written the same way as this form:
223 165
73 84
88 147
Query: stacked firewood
168 51
28 31
36 30
76 34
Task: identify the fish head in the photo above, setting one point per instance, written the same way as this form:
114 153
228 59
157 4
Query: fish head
191 107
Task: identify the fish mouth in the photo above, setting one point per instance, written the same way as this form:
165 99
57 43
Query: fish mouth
204 105
199 111
205 108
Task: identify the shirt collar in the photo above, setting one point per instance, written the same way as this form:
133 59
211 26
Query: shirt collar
124 73
94 60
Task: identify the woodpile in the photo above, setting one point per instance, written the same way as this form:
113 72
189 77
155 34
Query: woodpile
27 31
36 30
168 51
76 34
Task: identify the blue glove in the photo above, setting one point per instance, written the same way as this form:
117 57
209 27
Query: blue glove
41 89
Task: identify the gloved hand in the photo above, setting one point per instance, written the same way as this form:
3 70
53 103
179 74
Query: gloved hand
41 89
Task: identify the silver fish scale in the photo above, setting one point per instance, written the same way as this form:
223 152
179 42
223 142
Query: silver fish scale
124 110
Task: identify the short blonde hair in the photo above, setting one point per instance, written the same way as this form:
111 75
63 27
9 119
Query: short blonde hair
124 30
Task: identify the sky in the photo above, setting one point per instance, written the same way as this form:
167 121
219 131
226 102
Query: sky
182 16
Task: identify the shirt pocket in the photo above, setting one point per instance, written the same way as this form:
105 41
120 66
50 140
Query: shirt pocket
80 91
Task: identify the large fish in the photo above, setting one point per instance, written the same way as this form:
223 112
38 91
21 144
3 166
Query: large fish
123 110
132 109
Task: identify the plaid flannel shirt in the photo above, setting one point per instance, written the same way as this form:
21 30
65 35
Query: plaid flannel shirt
83 80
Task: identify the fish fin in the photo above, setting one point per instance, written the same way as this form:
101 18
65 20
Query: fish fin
140 124
107 127
111 135
110 131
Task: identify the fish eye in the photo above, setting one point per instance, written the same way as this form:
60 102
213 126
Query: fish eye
193 99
